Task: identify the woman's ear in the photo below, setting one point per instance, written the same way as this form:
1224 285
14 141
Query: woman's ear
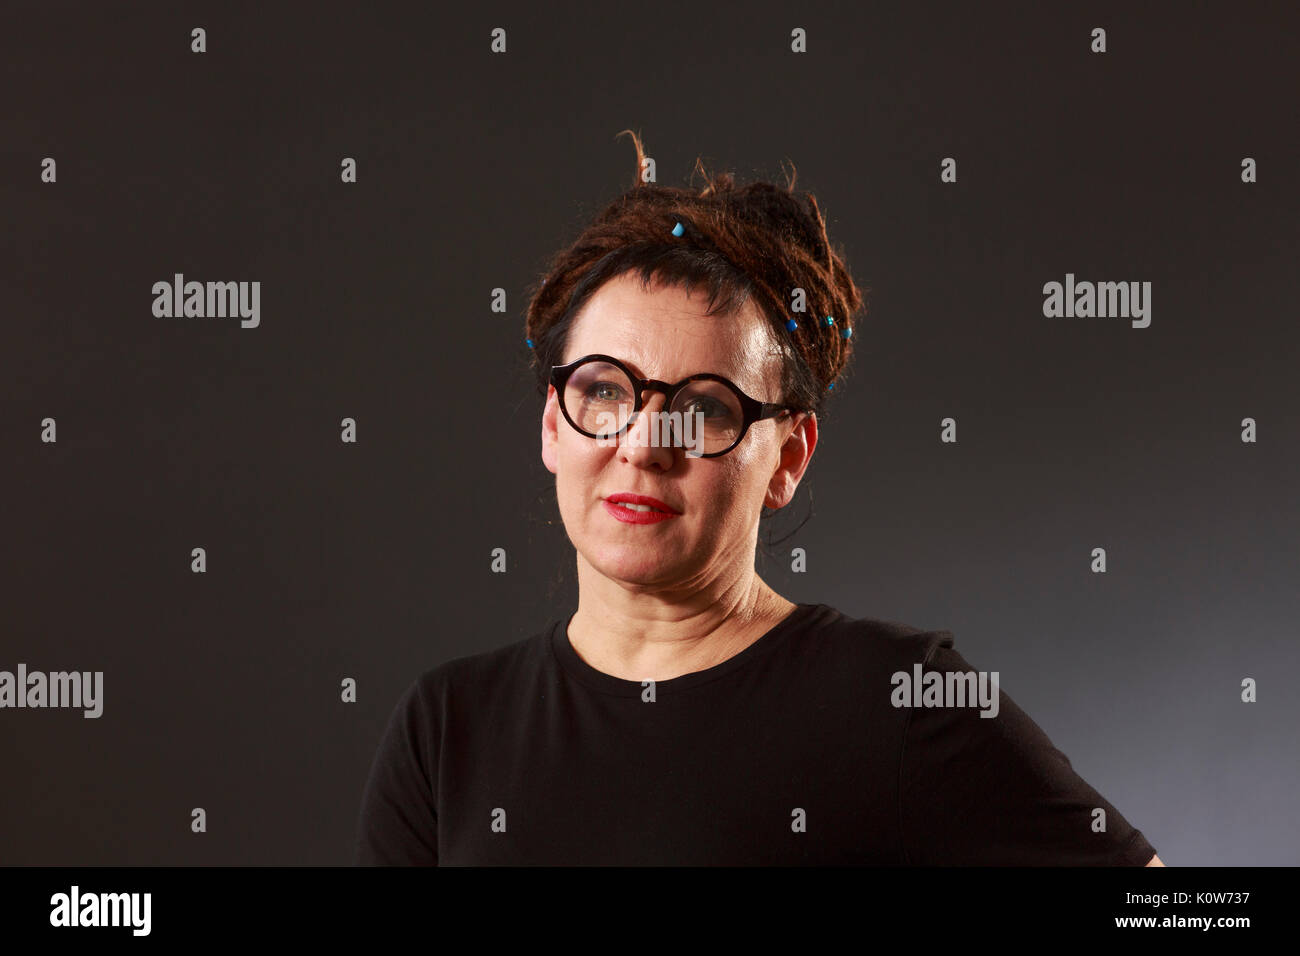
550 434
795 454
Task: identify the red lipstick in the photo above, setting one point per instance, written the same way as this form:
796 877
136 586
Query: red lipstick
661 512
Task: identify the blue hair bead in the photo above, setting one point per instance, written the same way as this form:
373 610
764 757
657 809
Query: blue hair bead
530 342
830 386
830 320
792 325
847 333
678 230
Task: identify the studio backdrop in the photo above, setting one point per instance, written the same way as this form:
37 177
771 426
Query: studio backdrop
1070 434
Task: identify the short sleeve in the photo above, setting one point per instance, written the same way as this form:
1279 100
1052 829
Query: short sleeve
398 824
994 791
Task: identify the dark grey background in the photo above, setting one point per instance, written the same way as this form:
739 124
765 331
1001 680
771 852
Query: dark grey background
372 560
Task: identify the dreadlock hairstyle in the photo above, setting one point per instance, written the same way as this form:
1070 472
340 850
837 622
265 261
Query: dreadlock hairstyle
758 242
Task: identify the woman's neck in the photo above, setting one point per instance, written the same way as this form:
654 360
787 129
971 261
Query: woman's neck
659 635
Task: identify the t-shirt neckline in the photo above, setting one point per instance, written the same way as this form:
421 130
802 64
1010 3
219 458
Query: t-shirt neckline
589 676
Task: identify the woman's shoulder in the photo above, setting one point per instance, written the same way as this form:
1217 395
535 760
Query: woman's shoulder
877 636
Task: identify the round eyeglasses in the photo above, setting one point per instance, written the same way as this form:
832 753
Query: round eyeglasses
705 413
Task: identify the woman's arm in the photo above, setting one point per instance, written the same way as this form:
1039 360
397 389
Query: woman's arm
398 824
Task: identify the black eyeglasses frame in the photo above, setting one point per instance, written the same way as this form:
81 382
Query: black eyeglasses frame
752 409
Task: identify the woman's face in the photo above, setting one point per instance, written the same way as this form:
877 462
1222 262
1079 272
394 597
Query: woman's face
664 334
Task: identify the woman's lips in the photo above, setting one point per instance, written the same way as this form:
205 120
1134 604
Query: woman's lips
637 515
631 516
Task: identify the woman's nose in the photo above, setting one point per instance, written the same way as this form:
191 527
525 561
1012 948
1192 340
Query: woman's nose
641 432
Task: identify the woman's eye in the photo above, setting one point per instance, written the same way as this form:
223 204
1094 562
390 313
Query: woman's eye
605 392
704 406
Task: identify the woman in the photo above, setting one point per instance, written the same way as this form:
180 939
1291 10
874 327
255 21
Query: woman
686 713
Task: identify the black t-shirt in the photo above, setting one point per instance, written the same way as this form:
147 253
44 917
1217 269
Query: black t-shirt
791 752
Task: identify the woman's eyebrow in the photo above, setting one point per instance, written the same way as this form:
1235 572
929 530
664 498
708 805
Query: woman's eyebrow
731 375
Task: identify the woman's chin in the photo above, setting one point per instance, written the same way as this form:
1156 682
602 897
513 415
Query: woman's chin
633 567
